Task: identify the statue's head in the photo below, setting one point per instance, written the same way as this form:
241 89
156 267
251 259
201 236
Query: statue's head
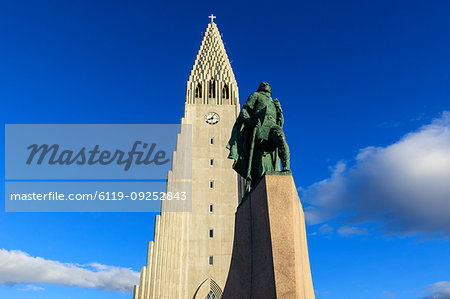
264 86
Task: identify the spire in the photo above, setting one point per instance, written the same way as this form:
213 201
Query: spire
212 80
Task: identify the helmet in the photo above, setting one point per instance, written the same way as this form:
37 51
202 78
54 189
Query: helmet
264 86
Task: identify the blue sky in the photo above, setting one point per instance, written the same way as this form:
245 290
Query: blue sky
364 86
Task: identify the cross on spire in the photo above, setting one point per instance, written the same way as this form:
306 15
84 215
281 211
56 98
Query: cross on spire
212 17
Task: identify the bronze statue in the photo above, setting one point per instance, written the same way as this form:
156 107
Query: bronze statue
257 142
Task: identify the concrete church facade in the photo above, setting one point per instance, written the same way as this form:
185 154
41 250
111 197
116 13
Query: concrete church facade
190 254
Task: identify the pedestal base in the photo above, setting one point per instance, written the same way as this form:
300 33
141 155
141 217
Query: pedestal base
270 253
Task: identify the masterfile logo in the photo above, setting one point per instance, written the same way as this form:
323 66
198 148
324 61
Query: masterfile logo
95 168
54 155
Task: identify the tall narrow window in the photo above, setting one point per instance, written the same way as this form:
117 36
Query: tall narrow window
211 260
211 208
211 233
211 162
211 141
198 91
212 89
226 92
211 184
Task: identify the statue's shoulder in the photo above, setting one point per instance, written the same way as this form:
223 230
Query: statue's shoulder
258 95
257 100
254 95
253 98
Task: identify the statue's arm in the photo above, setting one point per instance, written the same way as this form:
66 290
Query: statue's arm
248 109
280 117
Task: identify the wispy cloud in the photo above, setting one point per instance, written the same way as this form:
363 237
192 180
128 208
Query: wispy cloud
404 186
439 290
18 267
326 229
388 294
350 231
30 287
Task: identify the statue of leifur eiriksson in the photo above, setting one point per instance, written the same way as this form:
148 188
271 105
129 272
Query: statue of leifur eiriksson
257 142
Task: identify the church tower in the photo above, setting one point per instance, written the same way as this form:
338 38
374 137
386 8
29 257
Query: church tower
190 254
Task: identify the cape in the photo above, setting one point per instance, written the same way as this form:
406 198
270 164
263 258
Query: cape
239 146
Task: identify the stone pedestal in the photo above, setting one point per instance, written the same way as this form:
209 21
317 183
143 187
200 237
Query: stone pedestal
270 253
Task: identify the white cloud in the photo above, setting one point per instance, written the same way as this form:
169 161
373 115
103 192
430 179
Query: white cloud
404 186
326 229
349 231
30 287
439 290
18 267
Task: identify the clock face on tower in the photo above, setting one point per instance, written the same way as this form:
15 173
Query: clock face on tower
212 118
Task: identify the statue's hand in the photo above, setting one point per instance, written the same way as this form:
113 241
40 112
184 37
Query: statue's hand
255 122
258 123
